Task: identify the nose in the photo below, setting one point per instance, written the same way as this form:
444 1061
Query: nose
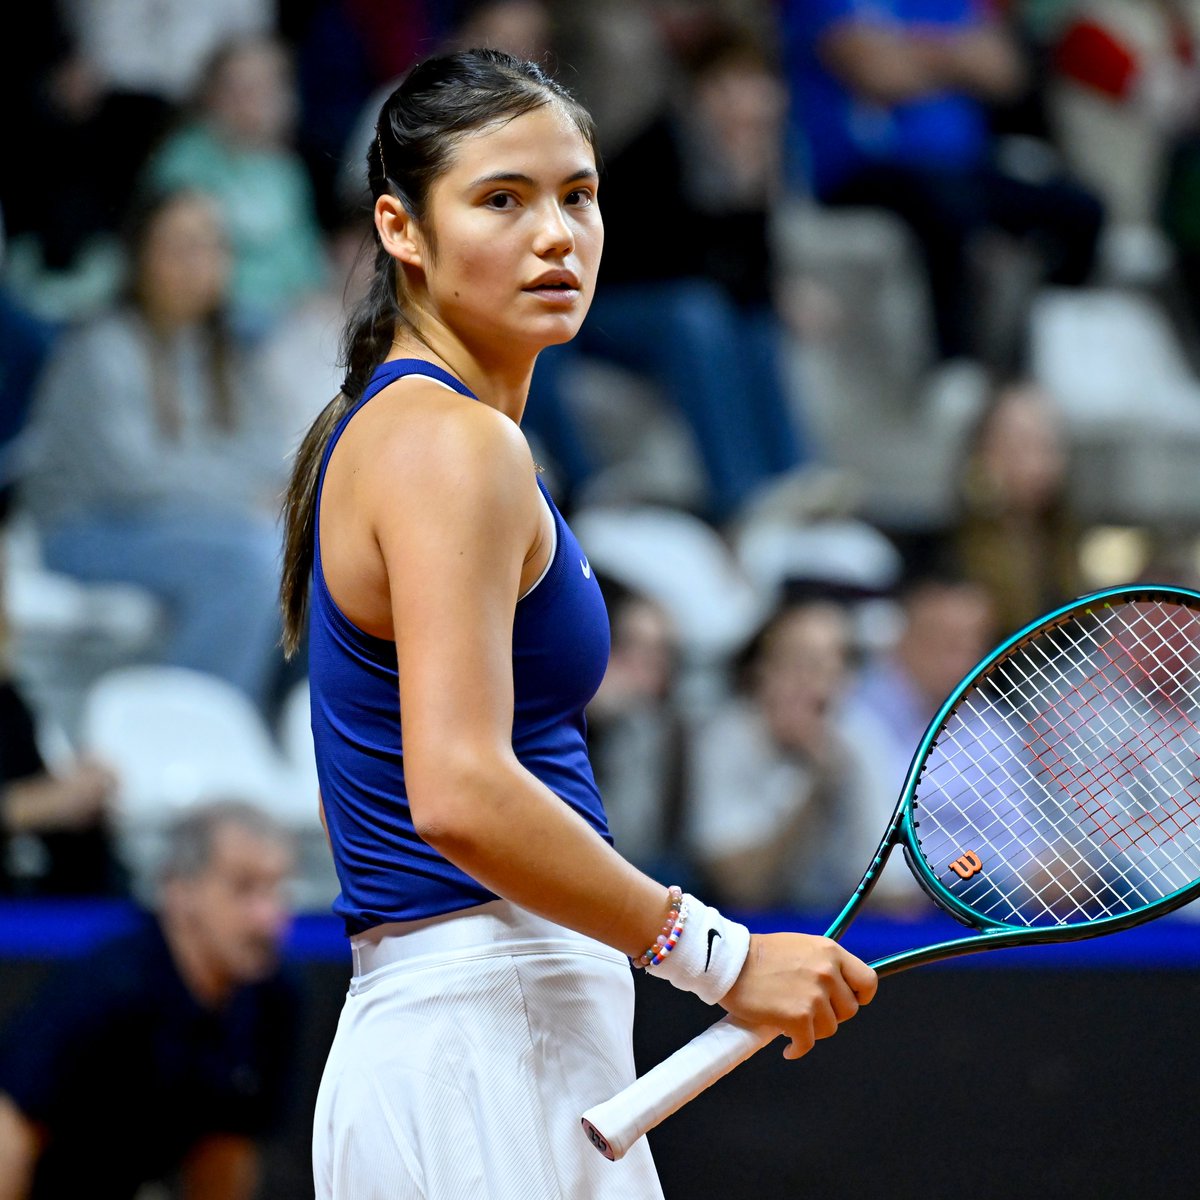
554 233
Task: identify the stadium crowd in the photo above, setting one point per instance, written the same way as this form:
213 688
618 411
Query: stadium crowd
181 241
813 505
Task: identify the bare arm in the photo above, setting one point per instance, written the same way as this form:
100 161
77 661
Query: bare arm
222 1167
75 799
984 62
453 554
454 559
891 67
20 1146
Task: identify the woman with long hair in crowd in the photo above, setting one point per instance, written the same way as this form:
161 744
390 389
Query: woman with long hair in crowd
149 459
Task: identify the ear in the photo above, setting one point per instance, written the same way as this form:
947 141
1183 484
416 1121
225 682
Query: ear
398 231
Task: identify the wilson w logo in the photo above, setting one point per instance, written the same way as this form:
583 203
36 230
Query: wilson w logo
967 865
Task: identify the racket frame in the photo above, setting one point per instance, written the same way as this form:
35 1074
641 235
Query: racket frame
901 830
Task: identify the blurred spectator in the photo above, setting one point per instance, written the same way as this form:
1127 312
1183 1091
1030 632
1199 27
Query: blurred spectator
54 833
686 293
1125 96
524 28
1016 533
237 146
168 1052
63 261
637 739
160 47
947 626
55 838
788 802
95 84
1128 83
147 460
25 341
1031 26
298 361
618 60
345 50
891 108
1179 202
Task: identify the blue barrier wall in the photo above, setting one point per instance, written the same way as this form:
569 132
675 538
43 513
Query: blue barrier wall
1054 1071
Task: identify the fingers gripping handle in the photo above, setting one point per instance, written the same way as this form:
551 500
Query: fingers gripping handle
614 1125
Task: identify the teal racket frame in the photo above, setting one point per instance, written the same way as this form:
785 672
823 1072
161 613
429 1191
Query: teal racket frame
901 831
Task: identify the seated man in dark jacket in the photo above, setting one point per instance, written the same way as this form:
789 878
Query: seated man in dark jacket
167 1053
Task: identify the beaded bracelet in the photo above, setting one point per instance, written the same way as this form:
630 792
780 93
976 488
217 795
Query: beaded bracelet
666 945
671 930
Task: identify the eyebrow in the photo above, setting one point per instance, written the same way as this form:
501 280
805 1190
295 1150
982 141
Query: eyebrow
589 173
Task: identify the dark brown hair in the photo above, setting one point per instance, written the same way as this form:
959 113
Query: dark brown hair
439 101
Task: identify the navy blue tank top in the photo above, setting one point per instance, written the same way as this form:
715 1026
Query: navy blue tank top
559 654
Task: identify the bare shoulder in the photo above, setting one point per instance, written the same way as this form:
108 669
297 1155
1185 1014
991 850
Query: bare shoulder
433 446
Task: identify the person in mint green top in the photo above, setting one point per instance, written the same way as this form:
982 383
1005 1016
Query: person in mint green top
237 146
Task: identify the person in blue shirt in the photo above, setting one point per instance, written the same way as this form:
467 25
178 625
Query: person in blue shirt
456 634
891 104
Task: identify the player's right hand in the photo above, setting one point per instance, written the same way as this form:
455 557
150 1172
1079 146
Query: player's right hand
802 985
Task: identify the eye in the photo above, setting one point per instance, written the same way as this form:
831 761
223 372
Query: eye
579 198
501 201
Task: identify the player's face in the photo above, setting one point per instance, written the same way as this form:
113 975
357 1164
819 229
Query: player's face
238 906
516 234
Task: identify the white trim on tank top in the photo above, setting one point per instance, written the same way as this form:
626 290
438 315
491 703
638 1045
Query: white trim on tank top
553 549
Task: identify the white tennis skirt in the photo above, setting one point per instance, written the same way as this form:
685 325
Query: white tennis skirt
468 1048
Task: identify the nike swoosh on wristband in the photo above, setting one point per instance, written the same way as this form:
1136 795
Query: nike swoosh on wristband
586 568
713 934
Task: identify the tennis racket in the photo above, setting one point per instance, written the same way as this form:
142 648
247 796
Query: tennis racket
1055 796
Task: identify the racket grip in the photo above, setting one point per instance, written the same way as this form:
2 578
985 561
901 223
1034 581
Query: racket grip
614 1125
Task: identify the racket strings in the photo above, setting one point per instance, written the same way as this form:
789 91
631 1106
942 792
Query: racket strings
1126 774
1036 888
1070 771
1168 818
1122 770
1106 778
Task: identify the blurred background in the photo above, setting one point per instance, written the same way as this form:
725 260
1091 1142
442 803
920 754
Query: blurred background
896 346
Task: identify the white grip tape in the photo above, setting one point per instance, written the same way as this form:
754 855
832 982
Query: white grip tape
614 1125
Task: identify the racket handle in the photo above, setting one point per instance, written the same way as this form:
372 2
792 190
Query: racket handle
614 1125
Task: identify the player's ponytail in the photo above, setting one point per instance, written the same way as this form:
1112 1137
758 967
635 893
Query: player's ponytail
367 338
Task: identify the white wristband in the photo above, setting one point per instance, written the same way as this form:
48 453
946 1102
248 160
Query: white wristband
709 955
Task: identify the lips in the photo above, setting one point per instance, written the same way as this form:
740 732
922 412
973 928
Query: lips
555 282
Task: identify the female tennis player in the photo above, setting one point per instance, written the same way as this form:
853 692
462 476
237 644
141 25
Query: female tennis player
491 922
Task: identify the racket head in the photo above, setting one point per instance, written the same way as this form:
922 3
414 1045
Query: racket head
1055 794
